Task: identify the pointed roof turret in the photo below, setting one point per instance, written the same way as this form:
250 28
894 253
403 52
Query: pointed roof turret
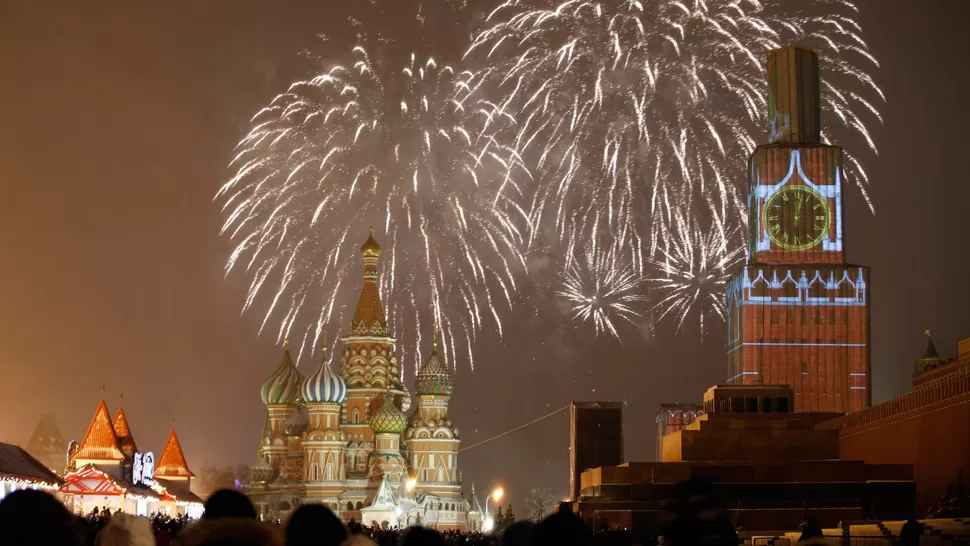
434 378
171 463
369 317
100 441
125 440
283 387
46 436
475 507
930 351
930 358
384 499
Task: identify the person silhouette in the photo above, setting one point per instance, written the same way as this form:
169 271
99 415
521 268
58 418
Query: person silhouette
226 503
419 536
315 525
520 533
35 518
694 516
562 529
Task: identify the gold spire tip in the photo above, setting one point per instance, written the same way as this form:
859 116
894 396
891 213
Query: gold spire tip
434 335
286 344
324 343
927 333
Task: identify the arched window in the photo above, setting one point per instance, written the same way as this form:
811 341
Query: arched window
360 505
350 505
356 416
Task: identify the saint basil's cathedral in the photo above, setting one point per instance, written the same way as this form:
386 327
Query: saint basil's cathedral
344 440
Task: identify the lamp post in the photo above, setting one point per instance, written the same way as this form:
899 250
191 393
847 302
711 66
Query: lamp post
497 495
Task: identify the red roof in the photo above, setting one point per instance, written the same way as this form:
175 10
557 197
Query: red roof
171 463
125 440
100 442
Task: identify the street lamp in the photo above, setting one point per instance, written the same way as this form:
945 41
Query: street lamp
497 495
410 484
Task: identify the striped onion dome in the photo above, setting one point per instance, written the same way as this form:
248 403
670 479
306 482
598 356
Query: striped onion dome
283 387
387 418
434 378
323 385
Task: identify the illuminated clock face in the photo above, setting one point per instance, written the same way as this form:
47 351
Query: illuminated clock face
797 217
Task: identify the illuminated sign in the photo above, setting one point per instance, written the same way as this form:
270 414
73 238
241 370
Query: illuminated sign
143 469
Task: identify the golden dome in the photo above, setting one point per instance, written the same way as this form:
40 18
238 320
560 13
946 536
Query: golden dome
371 248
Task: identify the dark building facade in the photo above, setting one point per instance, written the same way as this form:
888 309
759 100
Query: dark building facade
595 438
771 467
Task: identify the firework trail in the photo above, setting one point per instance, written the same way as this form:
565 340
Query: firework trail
399 147
656 104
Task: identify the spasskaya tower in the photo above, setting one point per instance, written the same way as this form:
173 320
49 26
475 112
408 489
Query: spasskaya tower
798 314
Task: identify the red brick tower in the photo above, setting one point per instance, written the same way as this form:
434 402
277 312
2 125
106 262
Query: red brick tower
798 314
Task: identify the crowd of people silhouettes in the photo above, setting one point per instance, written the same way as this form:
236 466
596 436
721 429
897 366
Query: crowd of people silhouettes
692 517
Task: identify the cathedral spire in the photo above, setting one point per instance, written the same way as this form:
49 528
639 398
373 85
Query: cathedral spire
369 317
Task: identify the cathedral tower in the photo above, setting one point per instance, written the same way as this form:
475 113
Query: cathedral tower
798 314
432 439
280 393
368 365
386 462
323 446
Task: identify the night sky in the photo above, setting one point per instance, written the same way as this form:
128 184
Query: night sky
117 125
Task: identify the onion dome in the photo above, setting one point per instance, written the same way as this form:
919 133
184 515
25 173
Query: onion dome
434 378
296 423
323 385
387 418
370 246
283 387
261 471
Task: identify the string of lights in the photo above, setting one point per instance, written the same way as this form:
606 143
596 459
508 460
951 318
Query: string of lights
520 427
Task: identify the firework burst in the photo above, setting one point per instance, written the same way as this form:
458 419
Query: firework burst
692 266
656 104
375 142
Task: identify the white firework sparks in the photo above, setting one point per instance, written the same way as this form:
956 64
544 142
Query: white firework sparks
693 268
657 103
375 142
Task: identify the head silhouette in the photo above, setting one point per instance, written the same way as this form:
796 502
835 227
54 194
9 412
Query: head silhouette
315 525
29 517
419 536
563 529
520 533
694 516
226 503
